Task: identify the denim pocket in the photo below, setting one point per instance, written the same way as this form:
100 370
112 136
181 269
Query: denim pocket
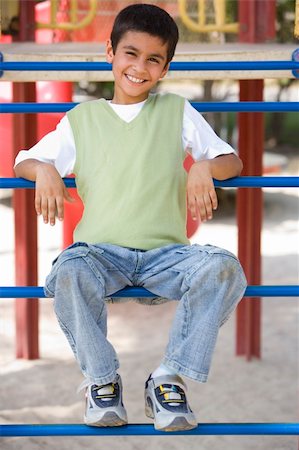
82 250
187 249
212 249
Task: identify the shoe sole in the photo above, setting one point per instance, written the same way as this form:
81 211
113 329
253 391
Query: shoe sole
179 423
109 419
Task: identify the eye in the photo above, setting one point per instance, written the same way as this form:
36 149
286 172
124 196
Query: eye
154 60
130 53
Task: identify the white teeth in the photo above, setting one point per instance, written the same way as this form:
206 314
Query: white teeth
134 80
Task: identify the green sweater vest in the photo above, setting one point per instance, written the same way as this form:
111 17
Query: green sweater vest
130 176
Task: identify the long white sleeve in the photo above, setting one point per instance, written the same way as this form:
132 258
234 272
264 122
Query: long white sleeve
57 148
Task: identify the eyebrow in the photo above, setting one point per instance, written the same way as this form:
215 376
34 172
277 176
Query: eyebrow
154 55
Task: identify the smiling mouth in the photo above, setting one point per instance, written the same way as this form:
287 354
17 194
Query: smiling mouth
134 79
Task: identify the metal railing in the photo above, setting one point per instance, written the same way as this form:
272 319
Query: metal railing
199 106
248 429
41 66
252 291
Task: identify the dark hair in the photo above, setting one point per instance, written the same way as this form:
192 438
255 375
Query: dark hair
147 19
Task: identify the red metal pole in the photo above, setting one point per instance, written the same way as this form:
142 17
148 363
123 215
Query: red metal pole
257 20
253 28
24 136
249 207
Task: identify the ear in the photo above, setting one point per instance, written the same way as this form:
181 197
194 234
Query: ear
165 70
109 52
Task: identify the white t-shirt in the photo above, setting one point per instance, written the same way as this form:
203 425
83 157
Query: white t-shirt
58 146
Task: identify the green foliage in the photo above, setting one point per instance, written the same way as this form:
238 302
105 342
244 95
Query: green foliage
285 19
281 129
187 35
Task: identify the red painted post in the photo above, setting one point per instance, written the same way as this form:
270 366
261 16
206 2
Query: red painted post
257 20
253 28
249 207
24 136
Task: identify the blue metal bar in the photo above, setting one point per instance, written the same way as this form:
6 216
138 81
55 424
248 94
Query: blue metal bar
22 292
199 106
176 66
234 65
245 106
272 291
251 291
295 57
242 182
256 182
36 107
252 429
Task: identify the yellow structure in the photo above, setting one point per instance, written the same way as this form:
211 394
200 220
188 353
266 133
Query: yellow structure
201 25
296 30
73 11
9 11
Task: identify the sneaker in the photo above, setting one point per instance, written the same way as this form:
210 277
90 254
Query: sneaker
166 403
104 406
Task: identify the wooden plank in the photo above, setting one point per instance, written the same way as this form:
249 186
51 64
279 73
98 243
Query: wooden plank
71 51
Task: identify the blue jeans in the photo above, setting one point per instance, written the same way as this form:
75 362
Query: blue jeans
207 281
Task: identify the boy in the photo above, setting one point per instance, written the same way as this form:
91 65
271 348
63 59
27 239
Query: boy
127 156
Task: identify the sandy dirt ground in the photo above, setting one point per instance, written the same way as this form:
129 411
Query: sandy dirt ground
265 390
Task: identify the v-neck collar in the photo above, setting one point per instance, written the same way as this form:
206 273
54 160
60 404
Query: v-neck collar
121 121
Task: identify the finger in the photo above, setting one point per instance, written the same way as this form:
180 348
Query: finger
214 199
208 206
60 208
192 207
37 204
44 209
202 209
52 210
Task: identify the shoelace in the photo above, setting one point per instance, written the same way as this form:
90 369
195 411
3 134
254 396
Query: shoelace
173 395
105 392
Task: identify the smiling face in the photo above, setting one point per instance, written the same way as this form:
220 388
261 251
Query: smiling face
138 63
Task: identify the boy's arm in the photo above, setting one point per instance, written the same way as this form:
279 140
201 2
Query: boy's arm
201 194
50 190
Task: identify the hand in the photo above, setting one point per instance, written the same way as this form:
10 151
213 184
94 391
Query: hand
201 194
50 193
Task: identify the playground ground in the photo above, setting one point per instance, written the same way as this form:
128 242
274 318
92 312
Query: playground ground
266 390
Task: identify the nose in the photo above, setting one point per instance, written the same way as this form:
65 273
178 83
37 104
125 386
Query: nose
139 65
